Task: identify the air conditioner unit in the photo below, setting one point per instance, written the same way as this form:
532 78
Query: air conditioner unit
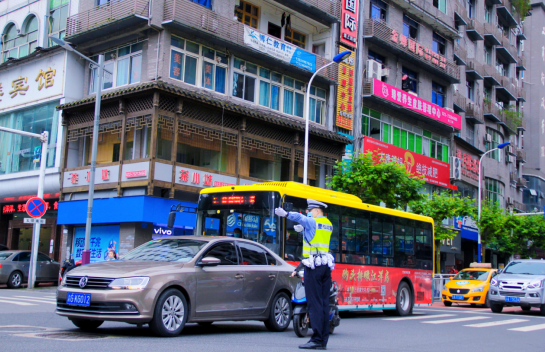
510 149
385 72
488 137
509 200
455 168
449 109
374 69
412 93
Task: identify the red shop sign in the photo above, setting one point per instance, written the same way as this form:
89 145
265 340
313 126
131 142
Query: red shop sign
435 172
349 23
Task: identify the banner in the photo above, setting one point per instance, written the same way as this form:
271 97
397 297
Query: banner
435 172
279 49
345 91
349 23
103 239
467 227
409 101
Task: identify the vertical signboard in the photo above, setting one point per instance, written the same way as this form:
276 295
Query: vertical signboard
349 23
345 91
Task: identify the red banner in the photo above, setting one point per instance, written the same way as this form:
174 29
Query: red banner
435 172
349 23
409 101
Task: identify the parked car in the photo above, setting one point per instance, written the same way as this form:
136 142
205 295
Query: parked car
469 286
14 267
3 247
169 282
520 284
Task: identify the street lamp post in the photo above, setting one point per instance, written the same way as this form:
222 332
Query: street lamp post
499 147
338 58
86 254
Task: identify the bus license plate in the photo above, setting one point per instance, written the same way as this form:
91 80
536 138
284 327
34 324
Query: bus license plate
512 299
78 299
458 297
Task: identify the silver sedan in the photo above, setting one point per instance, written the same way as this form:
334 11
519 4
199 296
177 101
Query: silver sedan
14 267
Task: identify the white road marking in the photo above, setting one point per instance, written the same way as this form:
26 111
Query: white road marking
33 300
454 320
422 317
496 323
49 299
18 303
530 328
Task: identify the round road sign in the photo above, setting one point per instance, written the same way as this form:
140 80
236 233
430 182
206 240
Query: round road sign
36 207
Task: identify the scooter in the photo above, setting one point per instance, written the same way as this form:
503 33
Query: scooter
301 319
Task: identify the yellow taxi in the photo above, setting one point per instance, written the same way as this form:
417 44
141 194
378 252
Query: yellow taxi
469 285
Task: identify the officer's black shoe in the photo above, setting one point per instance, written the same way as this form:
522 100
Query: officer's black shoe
311 345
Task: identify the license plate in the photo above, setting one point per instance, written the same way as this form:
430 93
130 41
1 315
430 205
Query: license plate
78 299
512 299
458 297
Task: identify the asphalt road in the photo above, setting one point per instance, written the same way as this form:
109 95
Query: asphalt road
28 323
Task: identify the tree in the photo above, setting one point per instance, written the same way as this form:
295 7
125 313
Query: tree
440 207
374 181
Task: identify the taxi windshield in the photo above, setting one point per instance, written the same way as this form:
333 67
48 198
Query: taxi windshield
477 275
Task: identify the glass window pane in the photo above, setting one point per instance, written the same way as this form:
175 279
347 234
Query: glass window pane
418 147
299 85
319 111
249 88
221 74
176 60
23 50
122 72
288 101
299 105
136 67
411 142
264 93
208 53
251 68
63 17
108 78
177 42
223 58
276 77
403 139
386 133
238 63
192 47
275 97
288 81
190 70
124 51
263 72
238 85
312 109
208 75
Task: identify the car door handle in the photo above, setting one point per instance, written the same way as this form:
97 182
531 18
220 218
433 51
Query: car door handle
239 276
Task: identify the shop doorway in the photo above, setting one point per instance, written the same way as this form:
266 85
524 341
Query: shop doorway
20 237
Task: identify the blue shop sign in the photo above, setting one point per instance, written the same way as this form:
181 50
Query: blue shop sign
467 227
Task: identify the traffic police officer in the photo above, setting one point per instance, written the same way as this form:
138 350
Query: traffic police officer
317 234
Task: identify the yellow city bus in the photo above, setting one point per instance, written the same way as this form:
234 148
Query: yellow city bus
384 257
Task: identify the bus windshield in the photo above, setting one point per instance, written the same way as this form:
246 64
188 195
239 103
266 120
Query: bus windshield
248 215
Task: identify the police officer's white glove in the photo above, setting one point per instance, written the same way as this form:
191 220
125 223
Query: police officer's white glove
324 259
281 212
317 260
298 228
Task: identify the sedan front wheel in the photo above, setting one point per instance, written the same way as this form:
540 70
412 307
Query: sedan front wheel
280 313
170 314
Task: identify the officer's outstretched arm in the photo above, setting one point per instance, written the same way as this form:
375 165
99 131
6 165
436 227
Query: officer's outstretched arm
302 219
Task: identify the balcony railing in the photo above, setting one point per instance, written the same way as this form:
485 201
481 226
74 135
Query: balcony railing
521 154
474 69
492 34
460 54
475 30
521 93
105 14
331 8
474 112
459 101
461 13
412 50
188 14
493 112
507 49
520 206
507 87
491 75
443 23
521 63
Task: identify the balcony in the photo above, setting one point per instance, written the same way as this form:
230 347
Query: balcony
521 63
506 90
521 155
521 94
198 21
323 11
380 33
460 14
520 34
507 50
424 10
475 30
522 183
106 19
460 54
474 113
506 16
473 69
493 112
491 76
459 102
519 207
492 34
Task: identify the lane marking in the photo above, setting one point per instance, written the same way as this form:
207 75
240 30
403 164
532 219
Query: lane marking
454 320
33 300
530 328
18 303
496 323
421 317
48 299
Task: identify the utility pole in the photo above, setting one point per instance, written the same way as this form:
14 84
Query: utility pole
360 64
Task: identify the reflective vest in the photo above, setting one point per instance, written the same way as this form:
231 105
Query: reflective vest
320 243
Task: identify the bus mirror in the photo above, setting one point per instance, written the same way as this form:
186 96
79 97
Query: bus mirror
171 219
287 206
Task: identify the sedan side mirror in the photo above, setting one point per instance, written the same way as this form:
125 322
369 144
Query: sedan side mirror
209 261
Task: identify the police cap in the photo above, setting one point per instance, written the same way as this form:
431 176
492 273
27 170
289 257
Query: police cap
315 204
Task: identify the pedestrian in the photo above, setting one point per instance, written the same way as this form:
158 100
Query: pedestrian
317 260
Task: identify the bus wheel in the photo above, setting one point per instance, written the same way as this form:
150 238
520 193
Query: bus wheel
404 302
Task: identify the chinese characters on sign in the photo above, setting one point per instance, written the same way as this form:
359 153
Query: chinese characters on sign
21 208
470 166
382 276
414 47
424 107
134 174
45 78
20 86
184 175
349 23
345 91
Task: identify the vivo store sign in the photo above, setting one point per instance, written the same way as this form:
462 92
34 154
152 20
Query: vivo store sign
34 81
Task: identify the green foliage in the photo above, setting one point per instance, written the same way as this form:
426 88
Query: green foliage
512 116
374 181
522 7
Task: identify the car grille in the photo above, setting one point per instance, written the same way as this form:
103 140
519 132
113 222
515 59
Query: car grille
512 285
512 294
92 283
102 308
461 291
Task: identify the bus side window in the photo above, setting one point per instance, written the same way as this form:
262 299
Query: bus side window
355 236
423 236
376 239
388 237
332 213
294 240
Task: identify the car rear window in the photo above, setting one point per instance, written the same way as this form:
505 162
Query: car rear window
5 255
166 250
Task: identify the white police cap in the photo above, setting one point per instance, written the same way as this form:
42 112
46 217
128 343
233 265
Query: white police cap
315 204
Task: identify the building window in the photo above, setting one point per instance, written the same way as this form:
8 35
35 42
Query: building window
494 191
58 15
487 54
439 44
470 134
275 30
19 45
470 90
295 37
247 14
438 94
409 80
198 65
410 27
205 3
378 10
497 139
470 8
318 49
124 63
441 5
466 191
503 69
488 17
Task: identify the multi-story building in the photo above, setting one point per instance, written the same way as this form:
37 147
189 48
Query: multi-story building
198 93
534 109
442 86
33 81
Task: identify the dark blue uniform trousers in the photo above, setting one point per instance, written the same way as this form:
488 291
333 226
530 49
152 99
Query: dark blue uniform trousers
317 286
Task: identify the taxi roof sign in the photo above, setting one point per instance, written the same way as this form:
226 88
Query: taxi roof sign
481 265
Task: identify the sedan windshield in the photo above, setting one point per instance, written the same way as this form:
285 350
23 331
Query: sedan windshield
166 250
477 275
4 255
528 268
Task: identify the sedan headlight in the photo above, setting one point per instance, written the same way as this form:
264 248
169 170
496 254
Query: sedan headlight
129 283
478 289
494 282
534 284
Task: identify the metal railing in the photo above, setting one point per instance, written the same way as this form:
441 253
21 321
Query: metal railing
474 65
475 25
508 84
521 154
490 71
508 45
521 61
460 100
439 282
194 15
460 51
492 109
328 6
474 111
381 31
519 206
427 6
104 14
492 29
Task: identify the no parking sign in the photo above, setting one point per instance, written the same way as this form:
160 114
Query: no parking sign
36 207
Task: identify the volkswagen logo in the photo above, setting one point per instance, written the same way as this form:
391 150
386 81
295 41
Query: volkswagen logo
83 281
86 283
